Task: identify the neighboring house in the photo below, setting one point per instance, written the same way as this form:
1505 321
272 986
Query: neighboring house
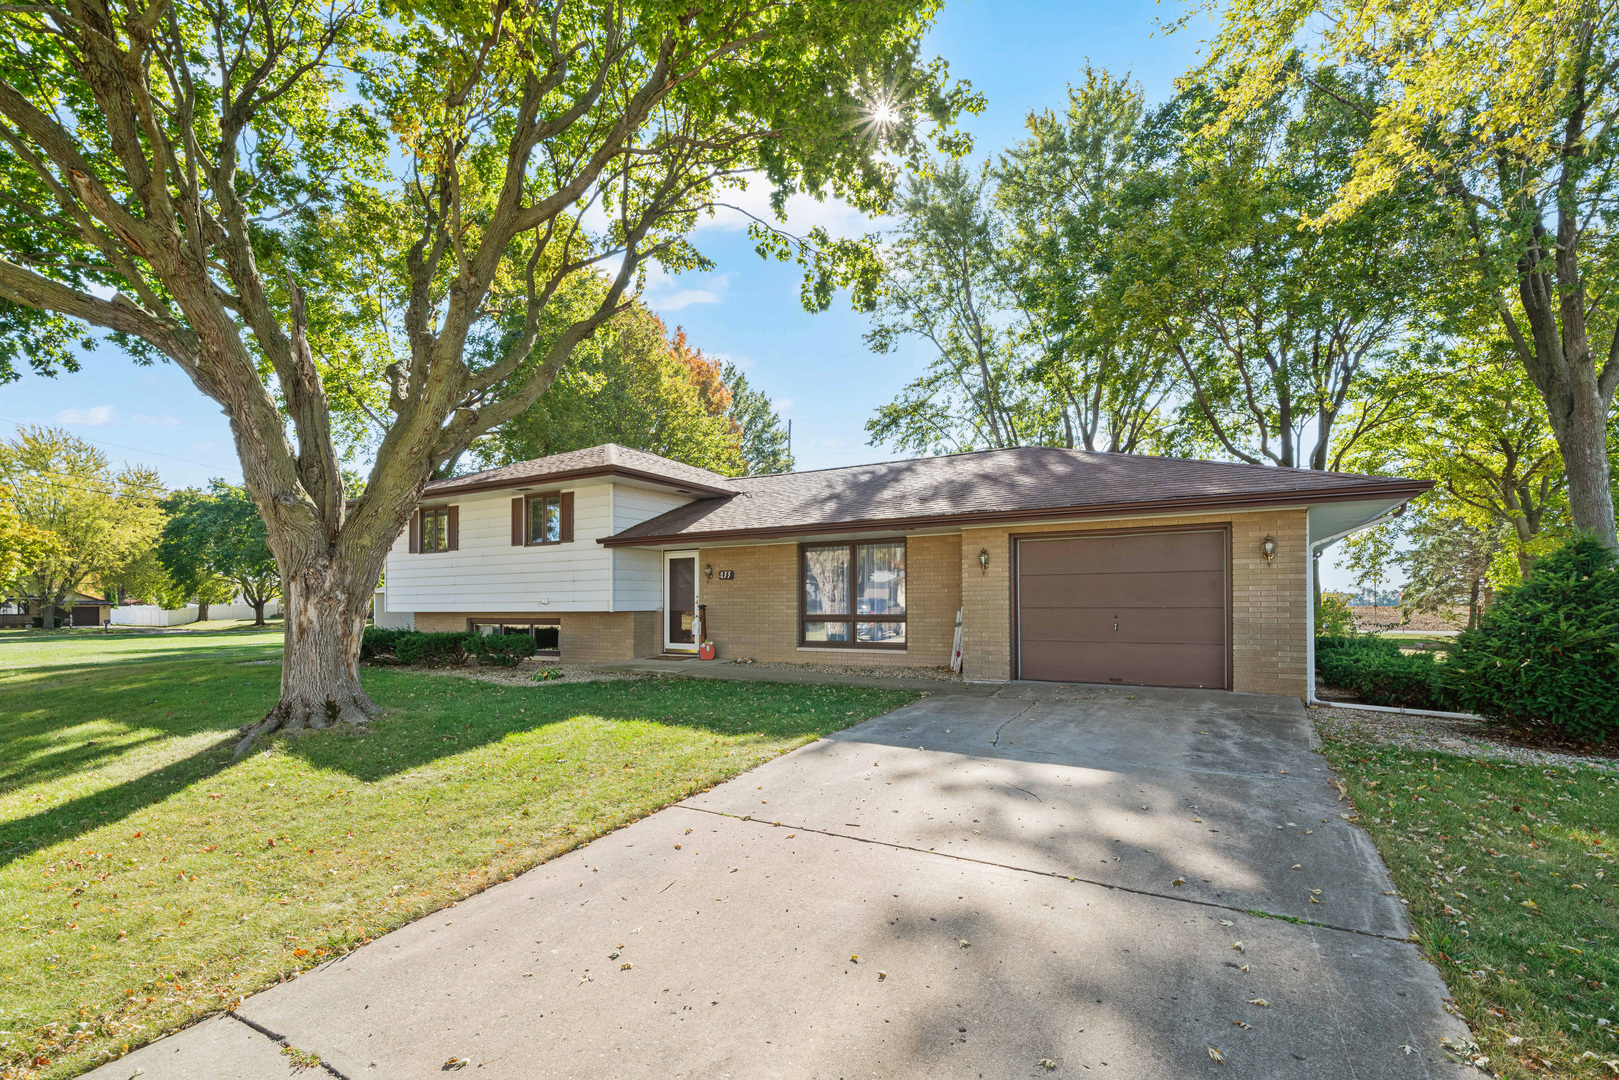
1065 565
81 609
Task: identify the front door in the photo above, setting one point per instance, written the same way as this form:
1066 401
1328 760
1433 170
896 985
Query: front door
680 601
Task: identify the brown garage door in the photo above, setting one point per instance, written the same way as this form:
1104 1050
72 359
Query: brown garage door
1148 608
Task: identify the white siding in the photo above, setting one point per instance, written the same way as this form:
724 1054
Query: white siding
486 573
638 573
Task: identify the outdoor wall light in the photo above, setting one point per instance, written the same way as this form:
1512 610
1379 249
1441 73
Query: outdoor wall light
708 571
983 559
1267 548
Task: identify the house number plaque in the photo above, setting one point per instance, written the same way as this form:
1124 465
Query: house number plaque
727 575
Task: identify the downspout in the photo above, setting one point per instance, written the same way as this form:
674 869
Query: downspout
1311 549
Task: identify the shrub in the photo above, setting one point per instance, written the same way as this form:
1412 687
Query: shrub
1333 619
431 650
378 642
500 650
1378 673
1546 653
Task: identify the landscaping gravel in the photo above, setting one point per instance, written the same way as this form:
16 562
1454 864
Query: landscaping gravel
937 674
1432 733
523 674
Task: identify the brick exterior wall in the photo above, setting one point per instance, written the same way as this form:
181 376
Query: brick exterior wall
756 613
585 636
1268 599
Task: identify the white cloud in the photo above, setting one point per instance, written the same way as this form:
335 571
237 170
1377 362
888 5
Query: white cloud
663 294
95 416
681 299
804 212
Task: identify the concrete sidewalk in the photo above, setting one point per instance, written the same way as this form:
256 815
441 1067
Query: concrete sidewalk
1047 881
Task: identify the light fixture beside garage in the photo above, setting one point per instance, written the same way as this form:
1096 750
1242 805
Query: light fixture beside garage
1267 548
708 571
983 559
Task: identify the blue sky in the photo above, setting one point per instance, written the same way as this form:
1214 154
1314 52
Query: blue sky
1021 54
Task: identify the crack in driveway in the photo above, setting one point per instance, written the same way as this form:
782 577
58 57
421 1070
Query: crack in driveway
1255 912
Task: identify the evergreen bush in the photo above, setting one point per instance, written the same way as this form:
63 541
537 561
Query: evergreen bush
501 650
1546 654
1378 673
432 650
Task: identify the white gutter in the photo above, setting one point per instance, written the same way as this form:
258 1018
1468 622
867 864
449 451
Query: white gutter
1312 548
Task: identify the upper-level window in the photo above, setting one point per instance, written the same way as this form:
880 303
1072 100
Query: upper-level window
545 519
436 529
853 595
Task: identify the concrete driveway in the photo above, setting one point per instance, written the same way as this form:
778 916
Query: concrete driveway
1050 881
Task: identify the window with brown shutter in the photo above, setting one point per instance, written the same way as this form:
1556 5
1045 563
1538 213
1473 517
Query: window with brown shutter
519 536
548 518
415 532
439 526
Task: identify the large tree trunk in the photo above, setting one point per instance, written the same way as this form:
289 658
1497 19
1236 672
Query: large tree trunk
1581 427
258 612
202 611
324 607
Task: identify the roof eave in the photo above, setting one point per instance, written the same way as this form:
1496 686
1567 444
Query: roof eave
1393 492
590 473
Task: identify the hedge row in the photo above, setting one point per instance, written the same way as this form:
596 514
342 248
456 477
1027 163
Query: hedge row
444 649
1378 673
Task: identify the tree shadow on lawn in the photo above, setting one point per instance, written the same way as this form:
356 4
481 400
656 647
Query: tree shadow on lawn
426 718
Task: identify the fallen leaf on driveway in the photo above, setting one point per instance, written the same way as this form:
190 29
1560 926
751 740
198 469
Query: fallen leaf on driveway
1237 945
965 943
455 1063
1261 1002
881 975
1046 1064
1178 881
1214 1055
1227 922
1241 1024
854 958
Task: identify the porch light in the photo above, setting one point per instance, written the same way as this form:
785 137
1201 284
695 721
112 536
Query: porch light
708 571
1267 548
983 559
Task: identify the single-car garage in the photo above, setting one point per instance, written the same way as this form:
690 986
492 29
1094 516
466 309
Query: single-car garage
1148 607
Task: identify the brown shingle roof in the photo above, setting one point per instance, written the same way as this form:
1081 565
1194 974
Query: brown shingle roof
991 485
608 459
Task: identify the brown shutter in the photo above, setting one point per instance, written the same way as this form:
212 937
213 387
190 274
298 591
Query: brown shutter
567 517
416 532
517 521
455 528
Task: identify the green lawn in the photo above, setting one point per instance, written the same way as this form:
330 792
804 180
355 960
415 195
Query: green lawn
21 649
146 880
1514 889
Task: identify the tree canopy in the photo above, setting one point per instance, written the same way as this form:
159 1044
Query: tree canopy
82 518
348 221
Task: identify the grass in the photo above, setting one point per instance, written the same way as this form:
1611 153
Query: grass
147 880
1511 875
23 649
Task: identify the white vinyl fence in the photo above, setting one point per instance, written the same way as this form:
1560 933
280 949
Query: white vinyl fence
152 615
